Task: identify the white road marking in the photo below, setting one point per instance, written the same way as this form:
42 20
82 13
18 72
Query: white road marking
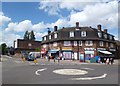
90 78
8 57
70 72
87 68
40 70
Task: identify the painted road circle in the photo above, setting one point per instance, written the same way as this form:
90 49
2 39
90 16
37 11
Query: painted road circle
70 72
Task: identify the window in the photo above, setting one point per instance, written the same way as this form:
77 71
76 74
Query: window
110 37
55 44
55 35
89 43
101 43
99 34
75 43
67 43
45 38
71 34
50 36
105 36
107 44
83 33
80 43
111 45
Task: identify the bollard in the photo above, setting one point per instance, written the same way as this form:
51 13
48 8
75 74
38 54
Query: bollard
24 59
35 61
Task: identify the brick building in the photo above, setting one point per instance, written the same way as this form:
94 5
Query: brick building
79 42
26 45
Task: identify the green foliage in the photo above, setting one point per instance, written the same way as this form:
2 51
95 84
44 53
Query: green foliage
3 48
26 36
37 49
29 36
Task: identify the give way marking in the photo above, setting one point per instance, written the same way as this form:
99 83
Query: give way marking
90 78
40 70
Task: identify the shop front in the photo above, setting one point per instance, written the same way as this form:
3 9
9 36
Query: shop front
67 53
53 53
43 53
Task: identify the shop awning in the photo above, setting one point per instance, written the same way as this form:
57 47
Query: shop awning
105 52
53 51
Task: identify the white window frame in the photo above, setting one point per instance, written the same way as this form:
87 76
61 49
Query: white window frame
75 43
110 37
72 34
89 43
67 43
45 38
99 34
111 45
107 44
105 36
55 35
50 37
80 43
83 34
101 43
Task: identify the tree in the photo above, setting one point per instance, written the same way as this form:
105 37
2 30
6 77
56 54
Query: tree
32 36
3 49
26 36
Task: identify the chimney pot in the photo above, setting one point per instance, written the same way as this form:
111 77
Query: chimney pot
55 28
77 25
105 30
99 27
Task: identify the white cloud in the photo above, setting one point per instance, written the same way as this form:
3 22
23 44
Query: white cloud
100 13
9 38
39 35
3 19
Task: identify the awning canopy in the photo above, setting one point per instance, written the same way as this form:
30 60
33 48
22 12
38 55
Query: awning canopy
53 51
105 52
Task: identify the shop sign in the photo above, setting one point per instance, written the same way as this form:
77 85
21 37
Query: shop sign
66 48
89 52
112 49
101 48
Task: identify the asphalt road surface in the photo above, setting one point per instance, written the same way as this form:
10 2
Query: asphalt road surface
15 71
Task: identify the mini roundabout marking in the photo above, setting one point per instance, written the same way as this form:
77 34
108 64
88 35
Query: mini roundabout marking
77 72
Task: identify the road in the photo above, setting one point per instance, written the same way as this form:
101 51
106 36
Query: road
15 71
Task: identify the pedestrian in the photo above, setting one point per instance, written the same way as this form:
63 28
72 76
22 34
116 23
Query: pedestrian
107 61
111 60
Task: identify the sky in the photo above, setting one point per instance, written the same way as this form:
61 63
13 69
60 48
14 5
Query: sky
17 17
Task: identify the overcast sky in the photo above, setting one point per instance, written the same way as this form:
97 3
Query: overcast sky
17 17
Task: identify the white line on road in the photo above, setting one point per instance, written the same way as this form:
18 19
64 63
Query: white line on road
87 68
40 70
90 78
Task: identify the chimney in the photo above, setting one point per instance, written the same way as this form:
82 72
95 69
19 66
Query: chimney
49 31
77 25
99 27
55 28
105 30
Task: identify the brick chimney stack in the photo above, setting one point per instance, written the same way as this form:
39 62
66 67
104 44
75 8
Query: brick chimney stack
105 30
77 25
99 27
55 28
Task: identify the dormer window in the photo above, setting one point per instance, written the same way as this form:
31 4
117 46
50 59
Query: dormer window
105 36
55 35
99 34
45 38
83 33
50 36
72 34
110 37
